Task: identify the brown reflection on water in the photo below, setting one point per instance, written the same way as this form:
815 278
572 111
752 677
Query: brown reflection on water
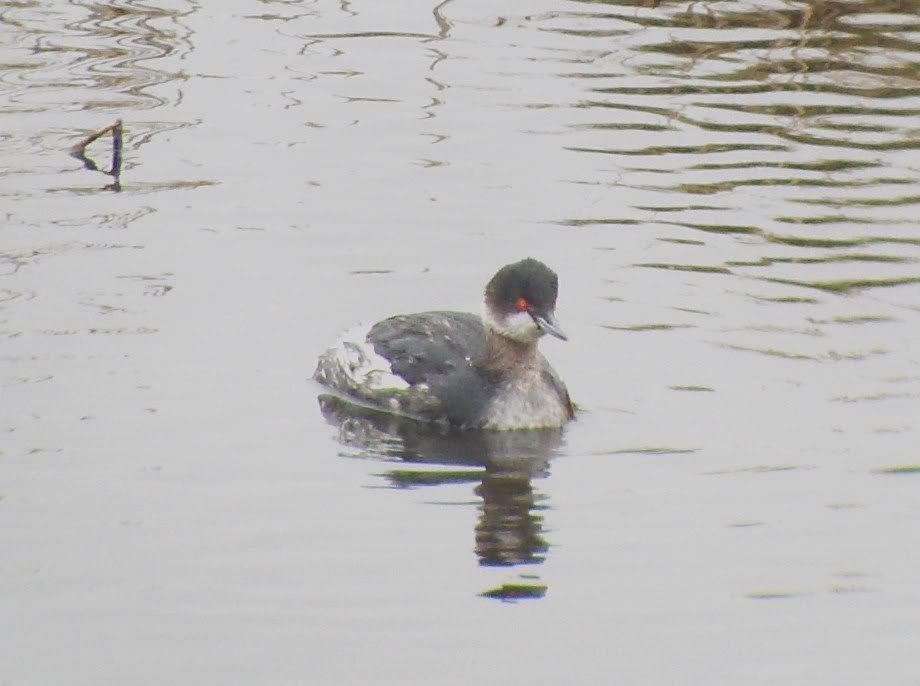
96 52
510 526
800 117
501 464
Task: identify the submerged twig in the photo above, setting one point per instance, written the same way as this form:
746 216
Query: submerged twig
79 151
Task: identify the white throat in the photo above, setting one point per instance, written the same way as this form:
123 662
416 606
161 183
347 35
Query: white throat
518 326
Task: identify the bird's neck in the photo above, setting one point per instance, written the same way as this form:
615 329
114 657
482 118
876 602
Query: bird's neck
506 355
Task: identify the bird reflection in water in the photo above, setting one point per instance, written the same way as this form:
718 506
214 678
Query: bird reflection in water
501 463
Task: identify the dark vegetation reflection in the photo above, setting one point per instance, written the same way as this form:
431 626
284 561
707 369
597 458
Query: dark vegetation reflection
501 464
810 104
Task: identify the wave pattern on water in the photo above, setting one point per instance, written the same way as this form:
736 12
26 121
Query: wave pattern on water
93 53
814 105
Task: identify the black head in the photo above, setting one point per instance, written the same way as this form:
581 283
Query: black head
520 300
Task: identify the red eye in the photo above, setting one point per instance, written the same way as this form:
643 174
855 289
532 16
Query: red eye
521 304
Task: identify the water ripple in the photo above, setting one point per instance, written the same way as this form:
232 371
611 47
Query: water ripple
97 59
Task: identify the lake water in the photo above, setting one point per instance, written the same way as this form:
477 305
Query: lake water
729 192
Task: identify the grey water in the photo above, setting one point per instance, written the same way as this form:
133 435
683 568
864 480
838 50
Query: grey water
729 194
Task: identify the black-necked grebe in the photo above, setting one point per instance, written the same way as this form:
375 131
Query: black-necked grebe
459 369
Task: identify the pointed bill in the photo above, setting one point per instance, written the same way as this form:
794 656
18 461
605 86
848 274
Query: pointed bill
548 324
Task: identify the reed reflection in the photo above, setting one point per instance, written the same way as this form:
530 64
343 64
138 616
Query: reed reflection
502 464
128 40
809 105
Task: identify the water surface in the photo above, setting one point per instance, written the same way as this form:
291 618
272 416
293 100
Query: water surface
729 193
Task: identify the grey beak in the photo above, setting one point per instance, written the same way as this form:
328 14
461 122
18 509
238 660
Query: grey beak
548 324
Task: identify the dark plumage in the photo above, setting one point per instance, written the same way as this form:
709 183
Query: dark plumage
530 279
459 369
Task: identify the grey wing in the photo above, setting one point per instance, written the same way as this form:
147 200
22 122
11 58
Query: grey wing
436 353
